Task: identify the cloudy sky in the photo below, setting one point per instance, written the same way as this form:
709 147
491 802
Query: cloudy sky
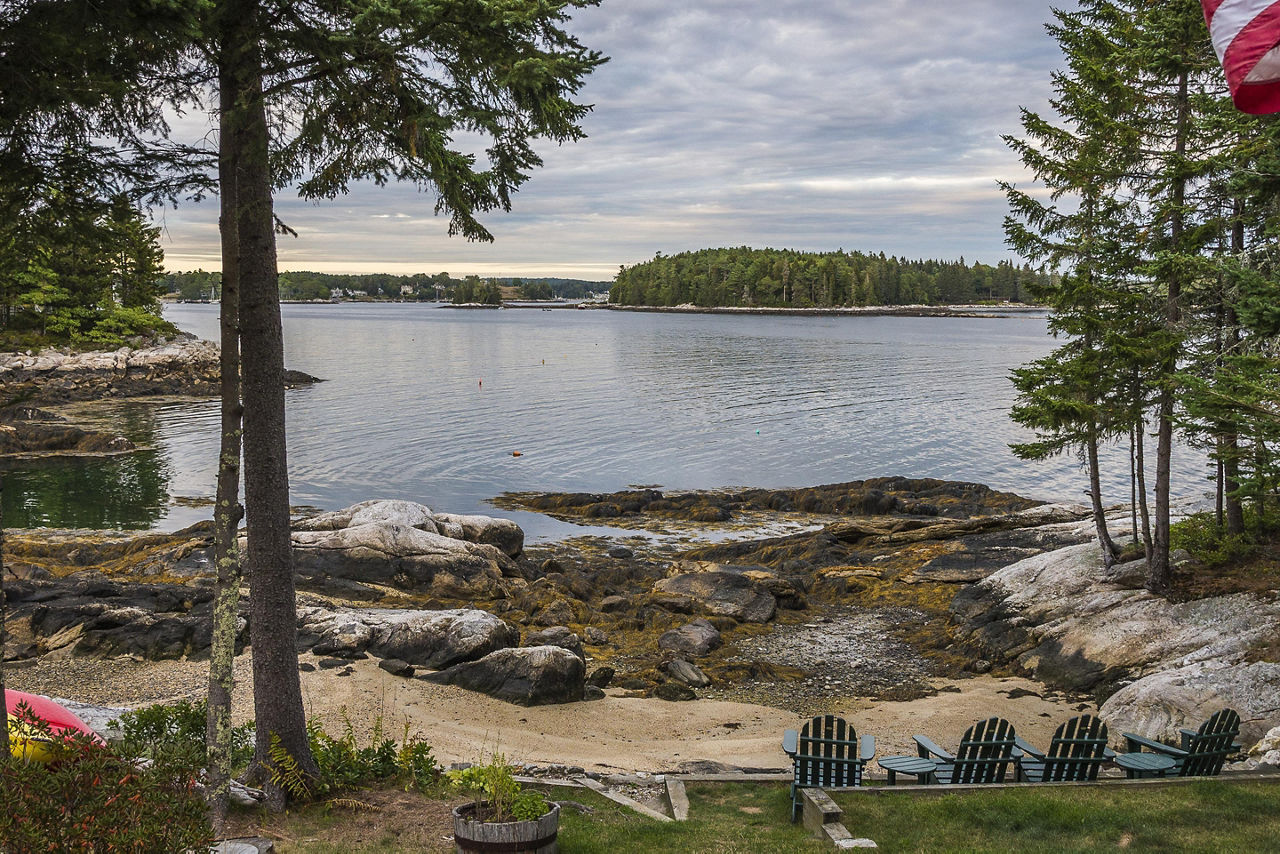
808 124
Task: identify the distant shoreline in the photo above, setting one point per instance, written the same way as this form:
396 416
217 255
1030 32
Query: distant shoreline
979 311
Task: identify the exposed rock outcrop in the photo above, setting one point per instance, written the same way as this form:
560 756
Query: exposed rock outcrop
408 558
719 590
529 676
1159 705
432 639
184 366
503 534
1060 617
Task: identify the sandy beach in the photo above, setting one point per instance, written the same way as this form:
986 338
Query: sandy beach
614 734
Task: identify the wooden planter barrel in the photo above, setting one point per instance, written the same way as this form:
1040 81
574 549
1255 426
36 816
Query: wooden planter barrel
474 837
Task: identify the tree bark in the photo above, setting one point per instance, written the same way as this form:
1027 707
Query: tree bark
228 510
4 701
1095 496
1142 488
277 692
1159 572
1232 505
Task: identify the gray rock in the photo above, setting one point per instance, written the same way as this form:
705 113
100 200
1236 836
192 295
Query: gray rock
696 639
601 677
687 673
1060 617
557 613
529 676
403 556
674 692
561 636
432 639
503 534
723 592
610 604
591 692
396 667
595 636
1157 706
619 552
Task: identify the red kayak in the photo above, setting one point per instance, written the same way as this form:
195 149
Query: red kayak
24 741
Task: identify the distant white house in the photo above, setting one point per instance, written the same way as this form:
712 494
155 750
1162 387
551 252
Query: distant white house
406 290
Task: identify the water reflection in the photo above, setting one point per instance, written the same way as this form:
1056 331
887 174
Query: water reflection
128 491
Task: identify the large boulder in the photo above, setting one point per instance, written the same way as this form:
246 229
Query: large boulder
1061 617
432 639
529 676
406 557
561 636
1159 705
722 590
693 639
503 534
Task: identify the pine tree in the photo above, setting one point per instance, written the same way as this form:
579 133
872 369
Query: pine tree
1072 397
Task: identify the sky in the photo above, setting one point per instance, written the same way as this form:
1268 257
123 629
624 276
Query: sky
803 124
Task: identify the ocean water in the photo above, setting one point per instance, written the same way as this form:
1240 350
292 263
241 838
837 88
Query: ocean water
430 404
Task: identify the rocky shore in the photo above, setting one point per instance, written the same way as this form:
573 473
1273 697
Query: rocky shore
901 589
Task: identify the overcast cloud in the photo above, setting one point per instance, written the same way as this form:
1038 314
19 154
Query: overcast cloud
808 124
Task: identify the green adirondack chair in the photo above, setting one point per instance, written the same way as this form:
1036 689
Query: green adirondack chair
1078 749
825 753
984 755
1202 752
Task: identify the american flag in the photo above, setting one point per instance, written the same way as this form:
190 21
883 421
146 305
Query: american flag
1246 35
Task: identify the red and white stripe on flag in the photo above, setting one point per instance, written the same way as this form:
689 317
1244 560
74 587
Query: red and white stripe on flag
1246 35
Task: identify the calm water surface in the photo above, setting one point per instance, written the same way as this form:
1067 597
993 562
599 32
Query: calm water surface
428 403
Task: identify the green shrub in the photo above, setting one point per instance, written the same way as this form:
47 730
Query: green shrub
1210 544
90 798
494 783
178 728
343 764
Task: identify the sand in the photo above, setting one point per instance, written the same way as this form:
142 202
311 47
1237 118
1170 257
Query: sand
641 734
614 734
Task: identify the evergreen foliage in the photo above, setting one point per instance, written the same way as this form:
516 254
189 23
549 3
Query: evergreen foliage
78 270
784 278
1161 216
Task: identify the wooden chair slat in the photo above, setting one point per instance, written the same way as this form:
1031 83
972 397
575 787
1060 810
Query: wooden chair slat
827 754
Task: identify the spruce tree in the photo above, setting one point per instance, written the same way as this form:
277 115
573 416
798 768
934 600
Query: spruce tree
1072 398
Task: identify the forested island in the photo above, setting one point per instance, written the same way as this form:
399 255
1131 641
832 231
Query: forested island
786 278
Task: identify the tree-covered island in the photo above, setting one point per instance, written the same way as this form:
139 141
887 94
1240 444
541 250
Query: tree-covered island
786 278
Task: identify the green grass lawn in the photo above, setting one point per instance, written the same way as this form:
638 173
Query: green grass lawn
1206 816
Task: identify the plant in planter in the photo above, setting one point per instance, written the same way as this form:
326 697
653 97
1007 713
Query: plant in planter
503 813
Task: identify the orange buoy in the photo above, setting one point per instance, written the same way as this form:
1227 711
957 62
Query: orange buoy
517 454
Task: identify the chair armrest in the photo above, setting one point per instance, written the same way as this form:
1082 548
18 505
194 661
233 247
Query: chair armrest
867 748
790 742
1136 743
1027 748
925 746
1187 735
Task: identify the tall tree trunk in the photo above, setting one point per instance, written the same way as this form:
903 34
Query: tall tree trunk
228 511
1095 497
1233 506
277 692
4 702
1133 482
1142 488
1159 572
